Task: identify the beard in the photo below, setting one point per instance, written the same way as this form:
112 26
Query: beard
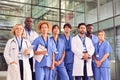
82 32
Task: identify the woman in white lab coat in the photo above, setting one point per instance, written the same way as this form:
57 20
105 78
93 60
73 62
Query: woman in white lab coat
17 53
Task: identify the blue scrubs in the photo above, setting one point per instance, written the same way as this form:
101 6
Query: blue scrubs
42 69
60 70
94 39
69 57
102 73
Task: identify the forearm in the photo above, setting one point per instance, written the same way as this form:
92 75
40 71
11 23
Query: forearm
104 57
94 58
63 56
38 52
53 59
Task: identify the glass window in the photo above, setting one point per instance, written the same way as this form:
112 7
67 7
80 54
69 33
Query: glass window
95 27
9 21
110 38
79 17
69 4
45 13
117 20
106 24
18 1
15 9
47 3
117 7
91 11
80 5
118 52
106 9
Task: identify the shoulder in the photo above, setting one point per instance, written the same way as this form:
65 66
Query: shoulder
62 36
60 39
10 41
24 39
106 42
87 38
37 39
34 32
75 36
94 35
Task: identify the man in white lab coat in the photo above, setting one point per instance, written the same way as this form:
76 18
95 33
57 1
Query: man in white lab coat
30 35
83 50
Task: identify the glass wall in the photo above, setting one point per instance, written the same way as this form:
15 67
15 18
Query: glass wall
103 14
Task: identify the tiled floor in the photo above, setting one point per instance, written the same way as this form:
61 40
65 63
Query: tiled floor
3 75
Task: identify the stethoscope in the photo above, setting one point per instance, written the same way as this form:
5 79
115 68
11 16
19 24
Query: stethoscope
15 43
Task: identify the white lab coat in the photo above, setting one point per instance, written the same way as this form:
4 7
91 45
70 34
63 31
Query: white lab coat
33 35
77 48
11 54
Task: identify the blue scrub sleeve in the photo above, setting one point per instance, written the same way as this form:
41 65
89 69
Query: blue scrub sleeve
35 44
108 48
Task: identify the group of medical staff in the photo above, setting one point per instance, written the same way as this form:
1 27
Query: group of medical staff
58 57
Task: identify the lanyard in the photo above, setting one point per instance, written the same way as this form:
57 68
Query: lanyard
56 43
83 42
45 42
19 43
98 47
28 30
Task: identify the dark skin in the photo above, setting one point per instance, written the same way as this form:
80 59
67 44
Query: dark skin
89 31
28 23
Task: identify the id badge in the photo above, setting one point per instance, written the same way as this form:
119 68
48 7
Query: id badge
97 55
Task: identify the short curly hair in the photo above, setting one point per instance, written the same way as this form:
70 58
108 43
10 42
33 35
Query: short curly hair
40 23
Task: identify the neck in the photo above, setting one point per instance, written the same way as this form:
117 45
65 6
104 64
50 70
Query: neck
89 35
28 28
44 36
19 36
67 35
82 35
100 41
55 37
